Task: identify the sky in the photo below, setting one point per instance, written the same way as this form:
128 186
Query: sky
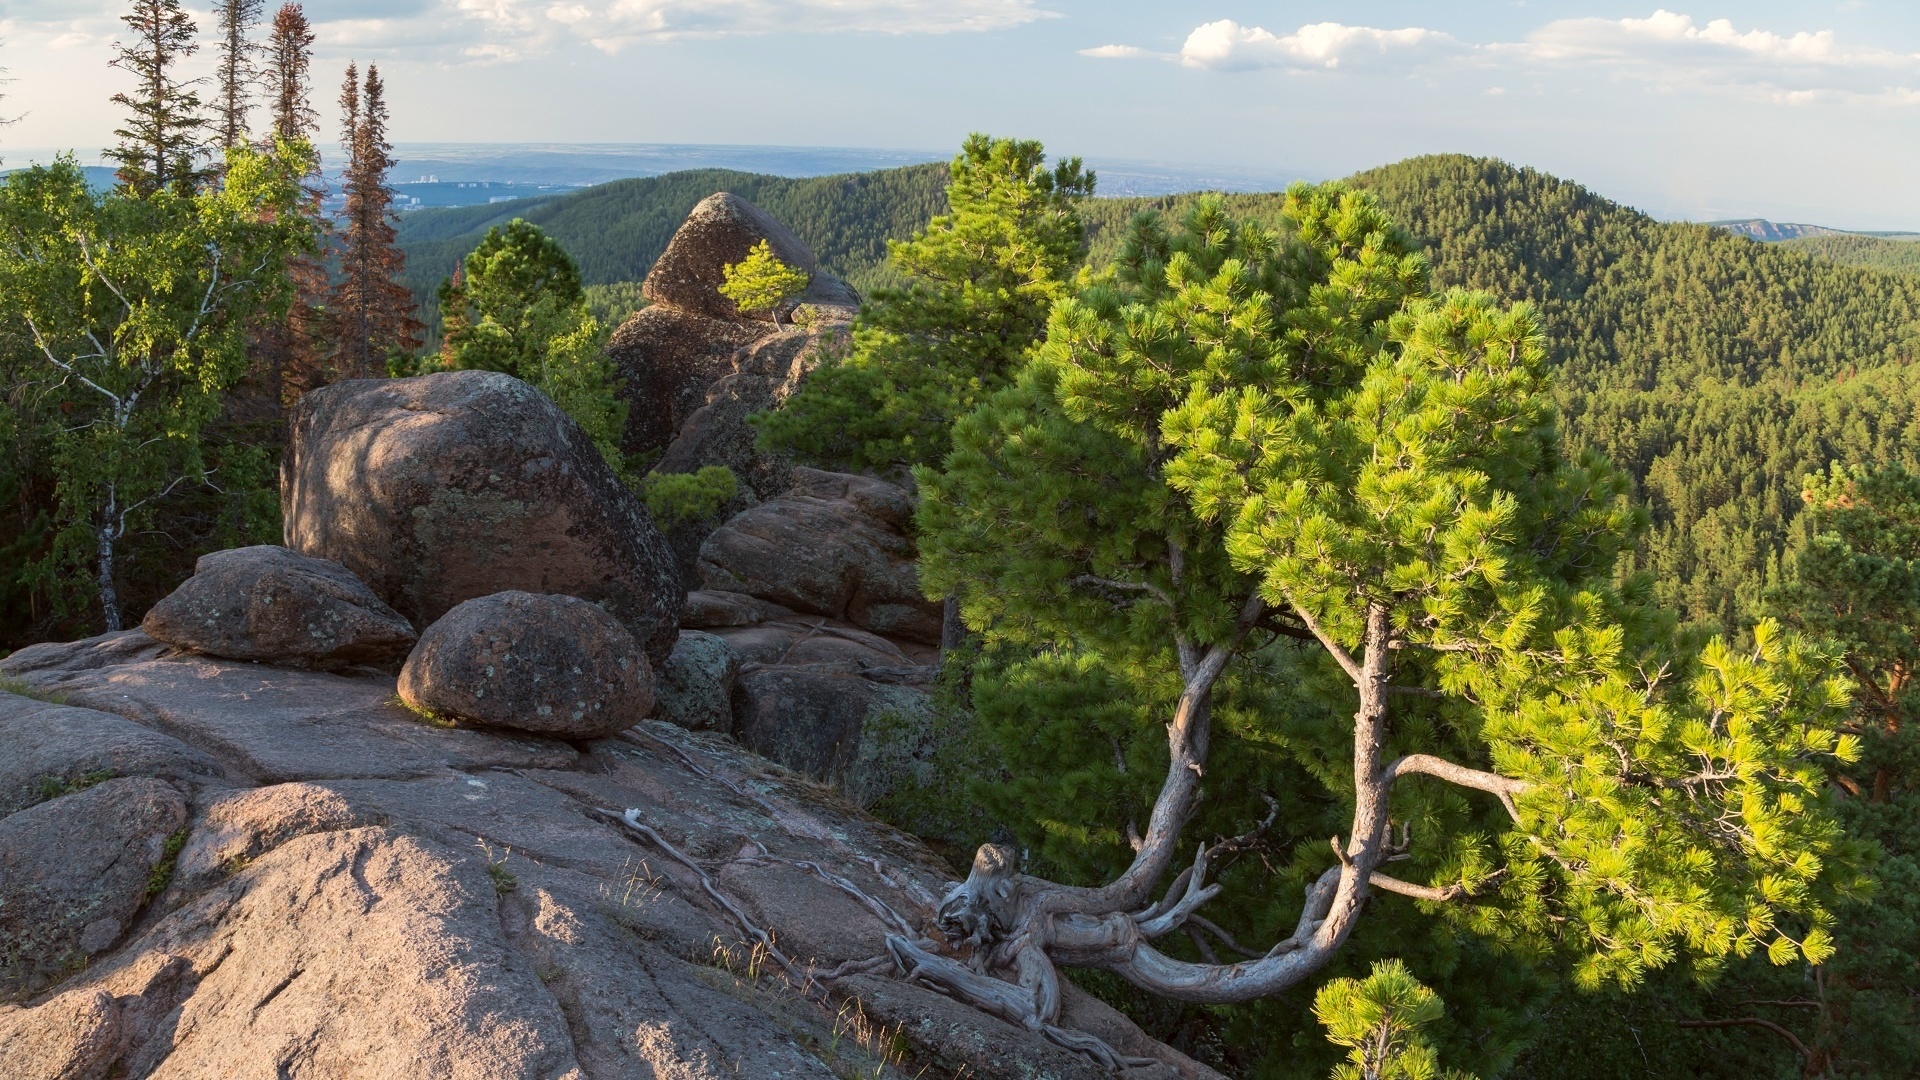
1793 111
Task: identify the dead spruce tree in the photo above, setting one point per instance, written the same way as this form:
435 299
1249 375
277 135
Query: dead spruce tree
1279 458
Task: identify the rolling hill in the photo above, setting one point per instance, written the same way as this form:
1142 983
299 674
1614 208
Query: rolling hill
1717 370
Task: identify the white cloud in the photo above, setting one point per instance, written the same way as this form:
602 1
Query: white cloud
612 24
1228 46
1117 52
1665 51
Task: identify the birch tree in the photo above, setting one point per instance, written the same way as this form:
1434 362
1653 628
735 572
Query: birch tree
136 309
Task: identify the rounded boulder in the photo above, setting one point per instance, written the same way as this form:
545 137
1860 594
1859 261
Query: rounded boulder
549 665
276 606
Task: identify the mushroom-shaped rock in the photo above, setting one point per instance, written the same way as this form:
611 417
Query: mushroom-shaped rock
720 232
277 606
460 484
836 546
551 665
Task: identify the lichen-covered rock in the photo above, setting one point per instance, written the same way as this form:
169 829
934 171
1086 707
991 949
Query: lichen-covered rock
836 546
852 732
695 688
442 488
667 359
710 608
276 606
74 872
551 665
718 233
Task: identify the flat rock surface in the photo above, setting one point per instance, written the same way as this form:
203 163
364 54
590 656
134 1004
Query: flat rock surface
269 724
350 893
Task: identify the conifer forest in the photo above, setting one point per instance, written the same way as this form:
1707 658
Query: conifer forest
1438 622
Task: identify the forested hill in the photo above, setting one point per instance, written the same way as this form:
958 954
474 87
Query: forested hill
1716 369
616 230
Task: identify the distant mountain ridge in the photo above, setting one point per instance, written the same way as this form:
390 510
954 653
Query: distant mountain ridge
1775 232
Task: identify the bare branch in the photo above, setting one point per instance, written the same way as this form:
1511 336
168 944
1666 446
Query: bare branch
1428 765
1801 1048
1327 642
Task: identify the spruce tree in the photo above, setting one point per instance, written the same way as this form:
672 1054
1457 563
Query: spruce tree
1264 497
373 315
982 278
238 73
296 346
164 141
289 56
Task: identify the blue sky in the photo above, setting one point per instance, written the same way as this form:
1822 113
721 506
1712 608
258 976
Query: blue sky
1795 111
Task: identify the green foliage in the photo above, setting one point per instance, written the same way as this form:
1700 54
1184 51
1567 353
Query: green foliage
1233 408
983 277
762 283
1382 1021
138 311
612 303
518 307
673 498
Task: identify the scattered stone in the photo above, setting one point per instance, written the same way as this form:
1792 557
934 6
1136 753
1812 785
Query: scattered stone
277 606
695 688
836 546
718 233
552 665
74 872
438 489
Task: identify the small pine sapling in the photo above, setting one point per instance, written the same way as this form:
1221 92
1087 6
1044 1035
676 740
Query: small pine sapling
762 283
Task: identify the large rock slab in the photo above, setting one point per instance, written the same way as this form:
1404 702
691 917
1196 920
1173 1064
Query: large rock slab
762 376
849 731
550 665
75 870
52 749
277 606
473 914
719 232
836 546
442 488
269 725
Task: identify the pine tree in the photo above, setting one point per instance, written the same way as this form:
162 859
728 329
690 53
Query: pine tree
1382 1021
373 315
238 72
515 304
1264 496
164 140
982 279
762 283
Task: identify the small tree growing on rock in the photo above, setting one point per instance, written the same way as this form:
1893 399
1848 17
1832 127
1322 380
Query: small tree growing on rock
1284 462
762 283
